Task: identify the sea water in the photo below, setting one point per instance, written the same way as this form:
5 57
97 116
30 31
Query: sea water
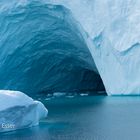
86 118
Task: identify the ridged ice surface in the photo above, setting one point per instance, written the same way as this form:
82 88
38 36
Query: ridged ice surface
18 111
113 39
113 28
43 49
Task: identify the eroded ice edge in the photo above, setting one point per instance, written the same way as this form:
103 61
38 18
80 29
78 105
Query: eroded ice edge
18 111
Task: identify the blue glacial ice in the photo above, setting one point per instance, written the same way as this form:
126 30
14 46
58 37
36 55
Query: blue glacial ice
18 111
46 46
43 49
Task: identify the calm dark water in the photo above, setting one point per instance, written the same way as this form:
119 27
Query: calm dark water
86 118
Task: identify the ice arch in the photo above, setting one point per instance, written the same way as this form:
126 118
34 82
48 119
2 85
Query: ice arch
44 49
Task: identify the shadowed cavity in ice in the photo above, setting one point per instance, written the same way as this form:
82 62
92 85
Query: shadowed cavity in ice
43 49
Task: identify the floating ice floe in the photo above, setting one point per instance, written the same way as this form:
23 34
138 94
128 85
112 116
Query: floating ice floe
18 111
59 94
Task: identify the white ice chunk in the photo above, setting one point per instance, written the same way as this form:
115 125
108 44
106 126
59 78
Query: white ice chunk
59 94
18 111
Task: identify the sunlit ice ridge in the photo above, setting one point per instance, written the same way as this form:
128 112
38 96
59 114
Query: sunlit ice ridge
45 44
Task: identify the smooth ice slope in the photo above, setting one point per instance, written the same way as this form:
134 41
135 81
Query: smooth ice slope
43 49
18 111
114 40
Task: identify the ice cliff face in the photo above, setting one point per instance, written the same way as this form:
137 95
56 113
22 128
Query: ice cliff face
114 40
44 49
18 111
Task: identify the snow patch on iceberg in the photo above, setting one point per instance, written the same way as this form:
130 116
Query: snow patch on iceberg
18 111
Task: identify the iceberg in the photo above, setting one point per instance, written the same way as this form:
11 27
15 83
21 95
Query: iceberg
67 45
18 111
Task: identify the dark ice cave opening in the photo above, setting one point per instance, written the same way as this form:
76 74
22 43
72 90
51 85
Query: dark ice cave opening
48 53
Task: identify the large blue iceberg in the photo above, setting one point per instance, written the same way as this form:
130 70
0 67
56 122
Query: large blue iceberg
51 45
